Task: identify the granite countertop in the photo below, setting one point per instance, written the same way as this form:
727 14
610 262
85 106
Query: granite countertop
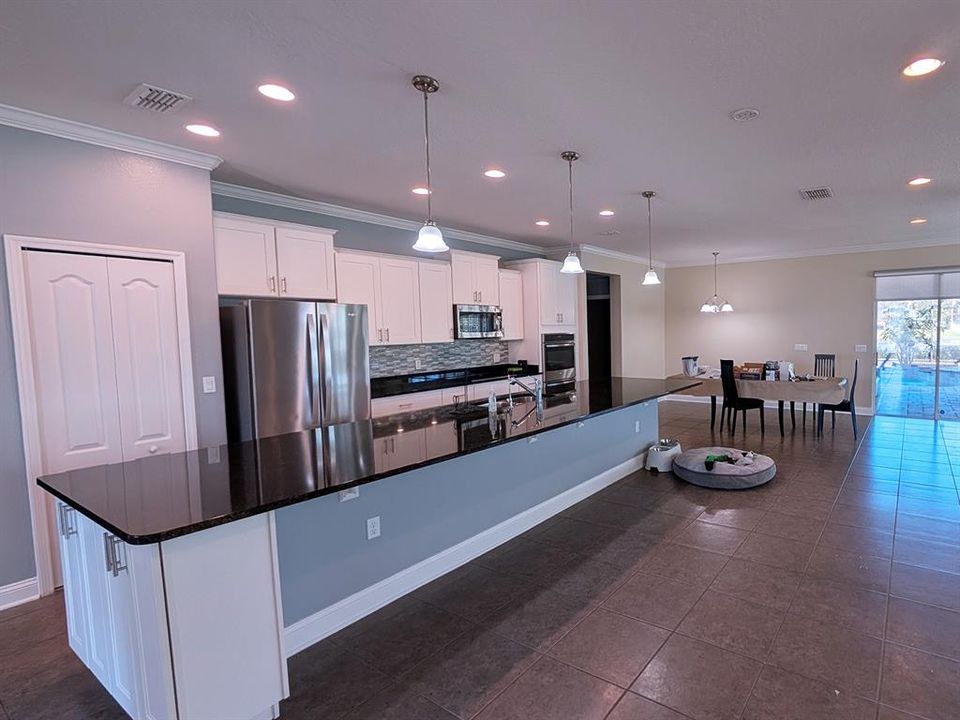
162 497
439 379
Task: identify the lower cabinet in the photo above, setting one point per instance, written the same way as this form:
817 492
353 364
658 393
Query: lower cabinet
399 450
199 637
408 402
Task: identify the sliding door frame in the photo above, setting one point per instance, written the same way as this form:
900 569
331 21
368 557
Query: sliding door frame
14 251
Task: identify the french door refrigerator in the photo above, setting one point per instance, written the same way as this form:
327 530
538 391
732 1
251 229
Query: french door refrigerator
293 365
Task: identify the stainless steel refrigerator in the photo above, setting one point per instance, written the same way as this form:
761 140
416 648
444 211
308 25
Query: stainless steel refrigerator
292 365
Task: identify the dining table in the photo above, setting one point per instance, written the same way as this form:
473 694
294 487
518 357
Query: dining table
818 391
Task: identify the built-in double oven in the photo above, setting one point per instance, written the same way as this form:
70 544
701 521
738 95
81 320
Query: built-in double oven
559 362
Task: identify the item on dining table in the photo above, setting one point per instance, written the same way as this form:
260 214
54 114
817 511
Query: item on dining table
691 365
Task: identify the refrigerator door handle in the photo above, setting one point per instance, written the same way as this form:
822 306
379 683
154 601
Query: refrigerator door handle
313 371
324 347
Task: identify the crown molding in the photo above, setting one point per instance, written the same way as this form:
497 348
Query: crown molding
618 255
823 252
92 135
266 197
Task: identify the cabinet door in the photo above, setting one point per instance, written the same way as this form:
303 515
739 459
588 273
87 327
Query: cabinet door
511 303
358 281
147 349
100 645
436 302
567 298
305 264
122 619
407 448
464 280
74 580
549 278
487 278
246 257
400 300
441 439
452 396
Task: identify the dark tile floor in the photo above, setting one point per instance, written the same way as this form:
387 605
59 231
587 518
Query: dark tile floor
831 593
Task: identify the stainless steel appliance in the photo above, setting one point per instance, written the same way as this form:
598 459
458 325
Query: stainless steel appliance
478 321
292 365
559 362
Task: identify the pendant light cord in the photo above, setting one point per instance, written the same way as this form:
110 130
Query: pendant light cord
715 274
650 230
570 173
426 140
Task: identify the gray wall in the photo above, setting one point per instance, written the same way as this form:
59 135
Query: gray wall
323 551
352 233
50 187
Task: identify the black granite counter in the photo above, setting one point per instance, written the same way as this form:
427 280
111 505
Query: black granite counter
162 497
440 379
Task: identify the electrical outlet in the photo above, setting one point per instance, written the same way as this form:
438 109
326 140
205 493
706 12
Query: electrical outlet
213 455
349 494
636 427
860 348
496 358
800 347
417 364
209 384
373 527
531 440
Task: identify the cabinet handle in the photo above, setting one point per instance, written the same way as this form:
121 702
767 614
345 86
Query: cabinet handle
273 283
380 334
67 527
480 295
388 334
118 566
153 449
283 285
108 552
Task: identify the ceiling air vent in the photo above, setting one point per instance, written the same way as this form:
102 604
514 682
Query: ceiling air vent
817 193
156 99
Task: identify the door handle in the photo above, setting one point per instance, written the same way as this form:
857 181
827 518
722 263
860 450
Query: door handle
118 566
380 334
313 352
480 294
108 552
283 285
388 334
324 382
68 527
272 281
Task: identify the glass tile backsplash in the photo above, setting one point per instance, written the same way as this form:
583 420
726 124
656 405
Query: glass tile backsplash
387 360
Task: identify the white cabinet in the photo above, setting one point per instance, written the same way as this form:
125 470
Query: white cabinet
408 402
268 259
557 294
436 302
476 278
566 299
441 439
390 288
511 304
399 450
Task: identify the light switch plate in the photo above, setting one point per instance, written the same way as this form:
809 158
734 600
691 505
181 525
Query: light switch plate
349 494
860 348
800 347
209 384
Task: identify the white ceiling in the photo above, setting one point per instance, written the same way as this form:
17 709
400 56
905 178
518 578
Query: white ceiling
641 89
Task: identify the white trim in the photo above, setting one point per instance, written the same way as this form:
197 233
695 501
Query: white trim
266 197
316 627
823 252
113 139
14 245
18 593
617 255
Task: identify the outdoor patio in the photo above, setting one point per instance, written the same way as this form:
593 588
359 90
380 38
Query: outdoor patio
908 391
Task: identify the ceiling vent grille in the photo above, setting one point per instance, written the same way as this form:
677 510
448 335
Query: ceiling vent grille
817 193
156 99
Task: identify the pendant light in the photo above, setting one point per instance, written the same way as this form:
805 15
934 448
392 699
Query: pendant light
651 278
571 264
715 304
429 239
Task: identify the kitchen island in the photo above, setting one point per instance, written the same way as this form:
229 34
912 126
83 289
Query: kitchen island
190 578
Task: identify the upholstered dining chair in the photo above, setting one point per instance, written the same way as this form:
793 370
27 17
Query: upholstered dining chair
732 402
849 405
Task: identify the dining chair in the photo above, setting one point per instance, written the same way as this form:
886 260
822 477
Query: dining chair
732 402
824 365
849 405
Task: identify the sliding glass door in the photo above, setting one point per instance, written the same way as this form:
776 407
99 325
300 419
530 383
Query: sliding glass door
918 345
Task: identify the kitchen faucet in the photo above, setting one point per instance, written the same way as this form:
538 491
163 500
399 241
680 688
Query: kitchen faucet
536 392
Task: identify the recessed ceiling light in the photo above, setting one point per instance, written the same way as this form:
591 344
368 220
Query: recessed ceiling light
607 213
495 173
923 66
205 130
745 114
917 221
420 191
276 92
542 223
919 181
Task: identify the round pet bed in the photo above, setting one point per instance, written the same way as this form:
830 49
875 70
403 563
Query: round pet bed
690 466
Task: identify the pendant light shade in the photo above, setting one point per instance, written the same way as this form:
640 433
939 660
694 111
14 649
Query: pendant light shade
571 265
429 239
651 277
715 304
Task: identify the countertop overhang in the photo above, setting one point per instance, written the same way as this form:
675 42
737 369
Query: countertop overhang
159 498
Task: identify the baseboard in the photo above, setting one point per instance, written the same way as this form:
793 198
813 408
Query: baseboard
316 627
18 593
771 404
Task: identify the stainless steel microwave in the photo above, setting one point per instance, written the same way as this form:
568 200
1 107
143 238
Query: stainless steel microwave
478 321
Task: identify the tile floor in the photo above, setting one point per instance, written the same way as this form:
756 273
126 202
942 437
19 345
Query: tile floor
832 593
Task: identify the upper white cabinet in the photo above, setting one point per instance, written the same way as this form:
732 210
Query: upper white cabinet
476 278
556 292
436 302
390 288
268 259
511 303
